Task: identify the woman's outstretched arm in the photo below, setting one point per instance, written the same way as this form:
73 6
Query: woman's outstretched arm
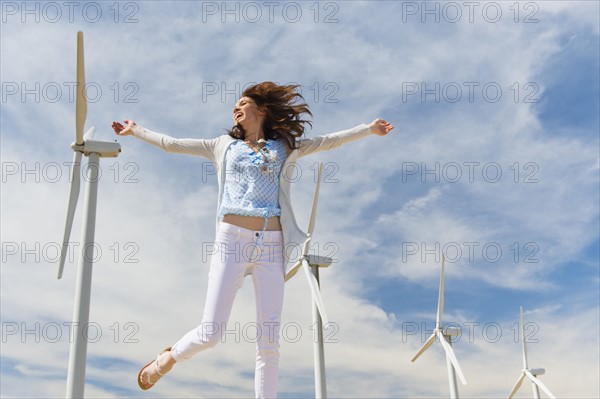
200 147
330 141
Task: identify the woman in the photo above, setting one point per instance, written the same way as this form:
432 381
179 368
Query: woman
255 221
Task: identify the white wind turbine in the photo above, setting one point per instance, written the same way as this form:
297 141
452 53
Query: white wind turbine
311 264
530 373
93 149
445 335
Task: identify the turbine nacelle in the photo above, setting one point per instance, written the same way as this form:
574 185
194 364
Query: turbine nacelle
452 331
104 149
537 372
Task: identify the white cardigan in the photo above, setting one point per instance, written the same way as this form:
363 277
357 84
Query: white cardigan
215 149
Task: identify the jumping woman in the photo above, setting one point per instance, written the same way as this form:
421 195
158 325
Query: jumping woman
254 212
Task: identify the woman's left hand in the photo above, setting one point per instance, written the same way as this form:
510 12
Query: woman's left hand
381 127
124 130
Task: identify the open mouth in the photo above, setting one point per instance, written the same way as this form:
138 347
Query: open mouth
237 115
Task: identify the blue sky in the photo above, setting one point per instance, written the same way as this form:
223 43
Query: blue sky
495 149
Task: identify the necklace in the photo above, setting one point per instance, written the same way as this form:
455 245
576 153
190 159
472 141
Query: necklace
262 156
256 145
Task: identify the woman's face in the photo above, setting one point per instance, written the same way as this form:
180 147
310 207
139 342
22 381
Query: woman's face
247 113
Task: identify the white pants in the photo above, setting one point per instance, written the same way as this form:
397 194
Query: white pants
239 252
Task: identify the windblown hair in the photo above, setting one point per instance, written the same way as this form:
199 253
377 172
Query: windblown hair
283 108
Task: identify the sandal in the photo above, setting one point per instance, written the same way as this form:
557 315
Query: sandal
151 384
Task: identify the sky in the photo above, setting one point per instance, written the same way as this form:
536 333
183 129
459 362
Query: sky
493 163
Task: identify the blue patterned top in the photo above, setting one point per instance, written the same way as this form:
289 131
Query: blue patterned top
252 179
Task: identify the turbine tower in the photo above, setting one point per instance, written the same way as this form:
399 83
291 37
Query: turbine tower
445 335
529 373
94 150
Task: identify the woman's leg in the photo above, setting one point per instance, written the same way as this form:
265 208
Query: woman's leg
227 269
268 279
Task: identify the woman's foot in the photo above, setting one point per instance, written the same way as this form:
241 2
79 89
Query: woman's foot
153 371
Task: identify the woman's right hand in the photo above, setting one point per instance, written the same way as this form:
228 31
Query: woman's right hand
124 130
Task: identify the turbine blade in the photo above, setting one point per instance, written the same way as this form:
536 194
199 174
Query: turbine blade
524 345
438 320
81 102
89 135
73 197
517 386
293 270
452 356
316 292
539 383
426 345
313 214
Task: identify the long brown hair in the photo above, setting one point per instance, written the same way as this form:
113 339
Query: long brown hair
283 108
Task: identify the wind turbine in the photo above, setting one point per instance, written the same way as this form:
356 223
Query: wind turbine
94 149
444 336
311 264
530 373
